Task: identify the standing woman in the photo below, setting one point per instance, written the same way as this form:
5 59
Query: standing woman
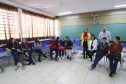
115 47
27 48
37 48
60 46
13 46
92 47
85 37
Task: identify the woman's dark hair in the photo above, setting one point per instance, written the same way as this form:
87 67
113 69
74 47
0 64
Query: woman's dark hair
10 41
67 36
93 36
57 39
117 37
36 41
25 40
105 38
85 28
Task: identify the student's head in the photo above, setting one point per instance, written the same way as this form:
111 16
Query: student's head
24 40
36 40
116 39
12 40
58 38
104 29
104 39
53 38
85 29
67 38
92 37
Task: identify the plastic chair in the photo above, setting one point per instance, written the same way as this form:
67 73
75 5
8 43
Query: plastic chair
99 41
4 57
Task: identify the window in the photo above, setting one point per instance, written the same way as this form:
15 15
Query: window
8 23
35 25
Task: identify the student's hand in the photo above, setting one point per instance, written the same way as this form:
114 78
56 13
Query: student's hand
90 50
29 49
49 44
65 43
8 49
71 46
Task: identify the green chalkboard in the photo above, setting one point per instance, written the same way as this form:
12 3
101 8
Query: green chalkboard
74 32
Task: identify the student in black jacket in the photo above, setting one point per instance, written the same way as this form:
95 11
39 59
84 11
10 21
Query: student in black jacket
13 46
68 47
101 51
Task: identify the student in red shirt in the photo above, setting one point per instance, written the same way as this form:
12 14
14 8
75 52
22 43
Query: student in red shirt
53 47
27 48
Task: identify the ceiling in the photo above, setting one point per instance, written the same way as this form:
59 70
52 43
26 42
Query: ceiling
75 6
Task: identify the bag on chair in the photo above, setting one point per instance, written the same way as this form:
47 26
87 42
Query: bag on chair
115 56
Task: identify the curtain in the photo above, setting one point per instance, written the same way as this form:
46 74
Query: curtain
9 26
36 25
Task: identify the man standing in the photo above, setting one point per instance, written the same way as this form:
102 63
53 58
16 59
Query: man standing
106 34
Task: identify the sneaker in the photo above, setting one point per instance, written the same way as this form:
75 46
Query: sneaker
92 67
59 57
19 64
51 58
63 57
16 67
55 59
39 60
67 57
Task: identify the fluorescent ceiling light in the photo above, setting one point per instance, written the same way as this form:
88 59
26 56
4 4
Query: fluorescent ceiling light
124 5
65 13
51 6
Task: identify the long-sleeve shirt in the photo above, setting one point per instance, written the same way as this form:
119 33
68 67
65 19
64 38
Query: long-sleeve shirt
94 45
37 45
115 47
53 43
107 34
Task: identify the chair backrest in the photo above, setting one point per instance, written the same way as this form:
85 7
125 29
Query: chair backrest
2 50
99 41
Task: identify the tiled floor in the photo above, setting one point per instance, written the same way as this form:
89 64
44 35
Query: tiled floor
76 71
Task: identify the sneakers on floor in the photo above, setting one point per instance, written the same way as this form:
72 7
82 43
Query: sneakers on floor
55 59
19 64
92 67
51 58
67 57
16 67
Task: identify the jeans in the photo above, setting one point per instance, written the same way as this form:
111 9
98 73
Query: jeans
85 48
97 59
53 49
16 57
113 66
30 57
40 52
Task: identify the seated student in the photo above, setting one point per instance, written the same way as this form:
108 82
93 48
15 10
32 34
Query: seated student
60 45
37 48
101 51
53 47
68 47
115 47
13 46
92 47
27 48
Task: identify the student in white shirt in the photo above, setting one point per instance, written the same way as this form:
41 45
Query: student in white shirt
106 34
92 46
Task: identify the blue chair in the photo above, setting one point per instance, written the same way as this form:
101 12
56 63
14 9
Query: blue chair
99 41
5 56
